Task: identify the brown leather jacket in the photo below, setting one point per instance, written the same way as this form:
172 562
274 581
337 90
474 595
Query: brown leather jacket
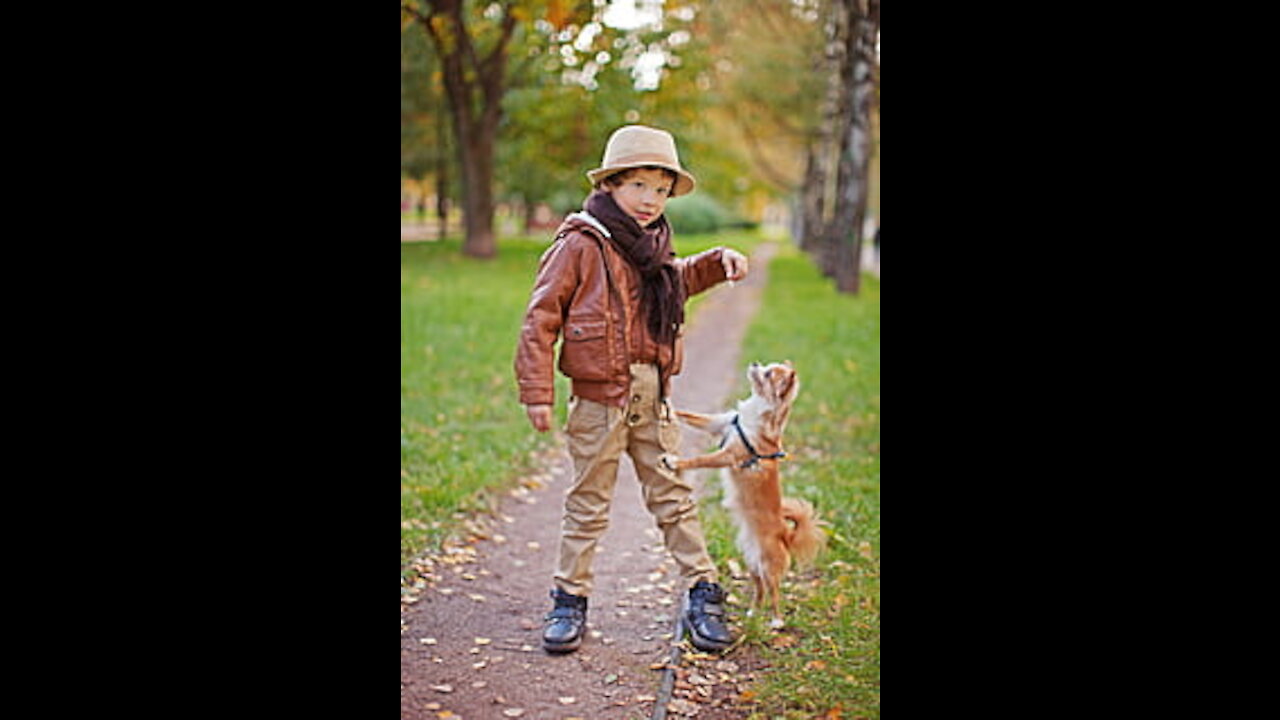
586 289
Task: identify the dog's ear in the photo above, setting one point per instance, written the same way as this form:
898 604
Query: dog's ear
785 389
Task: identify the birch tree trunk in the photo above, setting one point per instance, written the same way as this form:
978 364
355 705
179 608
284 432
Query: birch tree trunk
855 142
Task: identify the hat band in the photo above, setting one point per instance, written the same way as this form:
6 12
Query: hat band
643 158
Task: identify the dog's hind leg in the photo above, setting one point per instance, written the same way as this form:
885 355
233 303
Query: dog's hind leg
758 596
775 566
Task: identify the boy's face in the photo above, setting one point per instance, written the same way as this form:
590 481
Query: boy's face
643 194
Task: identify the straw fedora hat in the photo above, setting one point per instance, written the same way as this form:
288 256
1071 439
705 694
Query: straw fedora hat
634 146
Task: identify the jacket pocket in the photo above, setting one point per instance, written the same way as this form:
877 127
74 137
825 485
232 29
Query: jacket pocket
584 354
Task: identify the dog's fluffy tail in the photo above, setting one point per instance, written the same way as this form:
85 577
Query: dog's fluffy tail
805 539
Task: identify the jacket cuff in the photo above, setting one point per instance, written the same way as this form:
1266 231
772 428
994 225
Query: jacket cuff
537 395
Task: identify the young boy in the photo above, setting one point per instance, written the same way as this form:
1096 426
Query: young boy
611 283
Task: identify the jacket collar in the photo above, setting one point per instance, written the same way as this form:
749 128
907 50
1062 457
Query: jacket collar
589 219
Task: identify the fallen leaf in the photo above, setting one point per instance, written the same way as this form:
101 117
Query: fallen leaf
442 688
446 714
567 700
645 698
483 641
479 684
513 712
610 678
682 707
428 641
477 598
432 706
816 665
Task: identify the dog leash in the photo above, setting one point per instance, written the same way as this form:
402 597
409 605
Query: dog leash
755 456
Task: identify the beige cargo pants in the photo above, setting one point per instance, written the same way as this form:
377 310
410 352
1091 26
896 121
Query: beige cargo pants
598 434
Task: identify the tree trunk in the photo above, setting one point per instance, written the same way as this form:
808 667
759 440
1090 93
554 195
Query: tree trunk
442 198
471 82
855 143
442 181
820 187
477 196
530 213
811 226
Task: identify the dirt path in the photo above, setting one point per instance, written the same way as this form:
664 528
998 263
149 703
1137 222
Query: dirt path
470 642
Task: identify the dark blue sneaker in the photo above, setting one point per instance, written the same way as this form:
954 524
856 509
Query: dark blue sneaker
563 631
703 617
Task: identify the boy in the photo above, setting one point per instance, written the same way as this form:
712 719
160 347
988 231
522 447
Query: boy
612 284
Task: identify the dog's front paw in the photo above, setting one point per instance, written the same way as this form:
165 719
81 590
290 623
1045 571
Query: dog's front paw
670 462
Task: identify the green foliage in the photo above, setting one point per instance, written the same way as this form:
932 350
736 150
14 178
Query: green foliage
829 654
463 433
700 213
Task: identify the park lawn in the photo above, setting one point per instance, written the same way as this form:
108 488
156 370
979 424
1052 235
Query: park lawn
828 656
464 437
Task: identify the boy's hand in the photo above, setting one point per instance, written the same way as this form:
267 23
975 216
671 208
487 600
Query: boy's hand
735 264
540 416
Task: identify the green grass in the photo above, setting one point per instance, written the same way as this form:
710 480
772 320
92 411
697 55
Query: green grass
463 433
464 437
829 654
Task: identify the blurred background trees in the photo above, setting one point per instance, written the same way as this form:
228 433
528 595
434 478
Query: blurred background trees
774 105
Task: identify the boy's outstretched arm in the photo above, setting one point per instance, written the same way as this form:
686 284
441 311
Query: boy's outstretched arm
709 268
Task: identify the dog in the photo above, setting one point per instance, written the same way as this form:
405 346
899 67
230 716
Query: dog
772 529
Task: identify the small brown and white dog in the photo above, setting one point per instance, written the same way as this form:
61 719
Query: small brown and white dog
772 529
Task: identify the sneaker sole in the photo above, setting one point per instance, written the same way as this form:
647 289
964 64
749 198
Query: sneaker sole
558 648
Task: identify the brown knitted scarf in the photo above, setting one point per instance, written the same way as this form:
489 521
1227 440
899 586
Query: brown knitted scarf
649 250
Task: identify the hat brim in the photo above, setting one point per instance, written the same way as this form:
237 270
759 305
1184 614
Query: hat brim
685 182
